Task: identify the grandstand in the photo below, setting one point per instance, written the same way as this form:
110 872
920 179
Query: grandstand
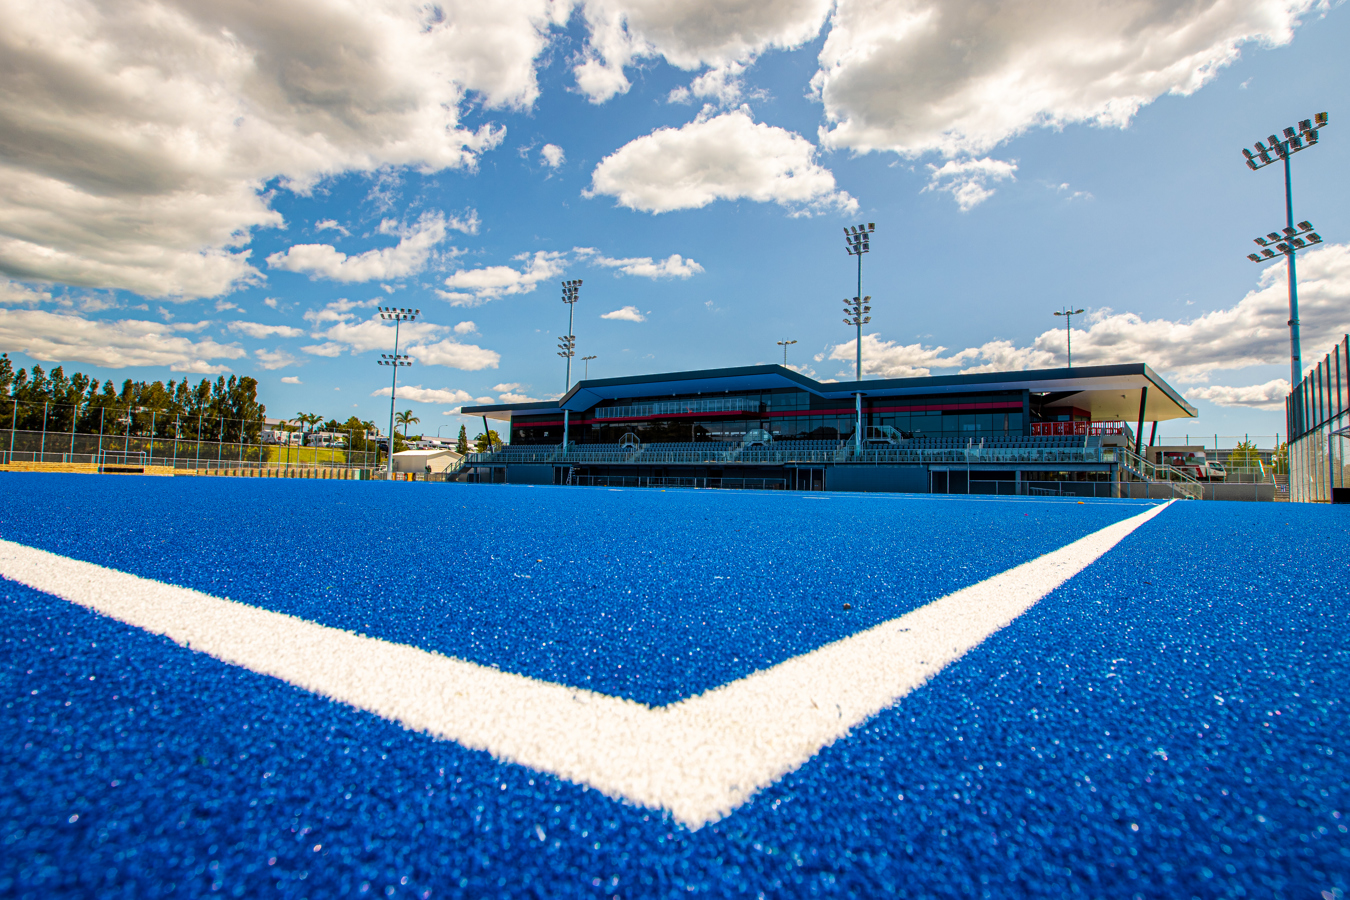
1060 430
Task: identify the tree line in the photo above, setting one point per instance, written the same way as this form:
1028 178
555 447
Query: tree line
224 410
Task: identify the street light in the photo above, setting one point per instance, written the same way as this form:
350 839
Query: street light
397 315
587 361
567 344
858 240
1281 148
1068 315
785 344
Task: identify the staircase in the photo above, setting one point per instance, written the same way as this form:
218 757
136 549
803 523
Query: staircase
1281 488
1183 486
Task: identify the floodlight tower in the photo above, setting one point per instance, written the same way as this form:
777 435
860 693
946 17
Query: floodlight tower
1292 238
1068 315
785 344
587 361
858 240
394 361
567 344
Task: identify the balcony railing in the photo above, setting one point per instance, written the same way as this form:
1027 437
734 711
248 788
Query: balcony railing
679 407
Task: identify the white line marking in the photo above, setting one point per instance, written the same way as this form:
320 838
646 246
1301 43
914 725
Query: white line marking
699 758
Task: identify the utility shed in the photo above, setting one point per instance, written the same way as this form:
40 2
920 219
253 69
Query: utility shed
423 461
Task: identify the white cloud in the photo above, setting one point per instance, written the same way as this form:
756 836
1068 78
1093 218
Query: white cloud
890 359
257 330
112 344
270 302
329 225
142 140
419 394
414 250
511 397
552 155
1252 332
226 306
689 35
725 157
491 282
626 314
968 180
291 379
275 359
466 328
1257 396
13 292
673 266
328 349
505 386
962 76
469 357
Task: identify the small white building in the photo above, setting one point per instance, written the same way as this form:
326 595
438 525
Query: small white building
425 461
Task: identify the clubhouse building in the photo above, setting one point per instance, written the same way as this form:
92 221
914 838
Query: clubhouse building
1051 431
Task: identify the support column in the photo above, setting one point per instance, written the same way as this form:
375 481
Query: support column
1139 432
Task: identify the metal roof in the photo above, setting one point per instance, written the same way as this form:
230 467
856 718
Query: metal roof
1107 392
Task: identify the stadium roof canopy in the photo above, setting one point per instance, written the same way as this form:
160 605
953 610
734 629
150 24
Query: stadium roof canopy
1108 393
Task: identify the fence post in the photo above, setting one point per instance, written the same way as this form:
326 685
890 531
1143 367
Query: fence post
42 452
74 411
197 463
101 411
175 440
13 424
152 437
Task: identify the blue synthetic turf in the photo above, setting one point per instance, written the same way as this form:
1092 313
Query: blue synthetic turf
651 595
1191 683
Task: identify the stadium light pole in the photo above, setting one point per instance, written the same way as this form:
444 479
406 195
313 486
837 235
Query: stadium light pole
785 344
587 361
567 344
1068 315
1281 149
858 240
397 315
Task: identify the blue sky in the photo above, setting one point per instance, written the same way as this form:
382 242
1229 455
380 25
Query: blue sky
200 191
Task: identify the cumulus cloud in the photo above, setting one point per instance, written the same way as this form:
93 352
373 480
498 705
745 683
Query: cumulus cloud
959 77
470 287
141 140
112 344
1255 396
15 293
968 180
626 314
419 394
451 353
410 255
257 330
552 155
341 331
276 359
689 35
512 397
291 379
329 225
1252 332
466 328
673 266
724 157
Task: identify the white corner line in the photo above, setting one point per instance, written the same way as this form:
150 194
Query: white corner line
699 759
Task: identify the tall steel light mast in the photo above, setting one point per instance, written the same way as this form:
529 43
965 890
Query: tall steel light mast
1279 148
858 240
1068 315
785 344
394 361
567 344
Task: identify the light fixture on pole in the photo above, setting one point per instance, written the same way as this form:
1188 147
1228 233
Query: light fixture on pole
397 315
567 344
858 240
785 344
1281 148
587 361
1068 315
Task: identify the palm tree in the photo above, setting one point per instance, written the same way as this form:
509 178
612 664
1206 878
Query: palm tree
405 419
